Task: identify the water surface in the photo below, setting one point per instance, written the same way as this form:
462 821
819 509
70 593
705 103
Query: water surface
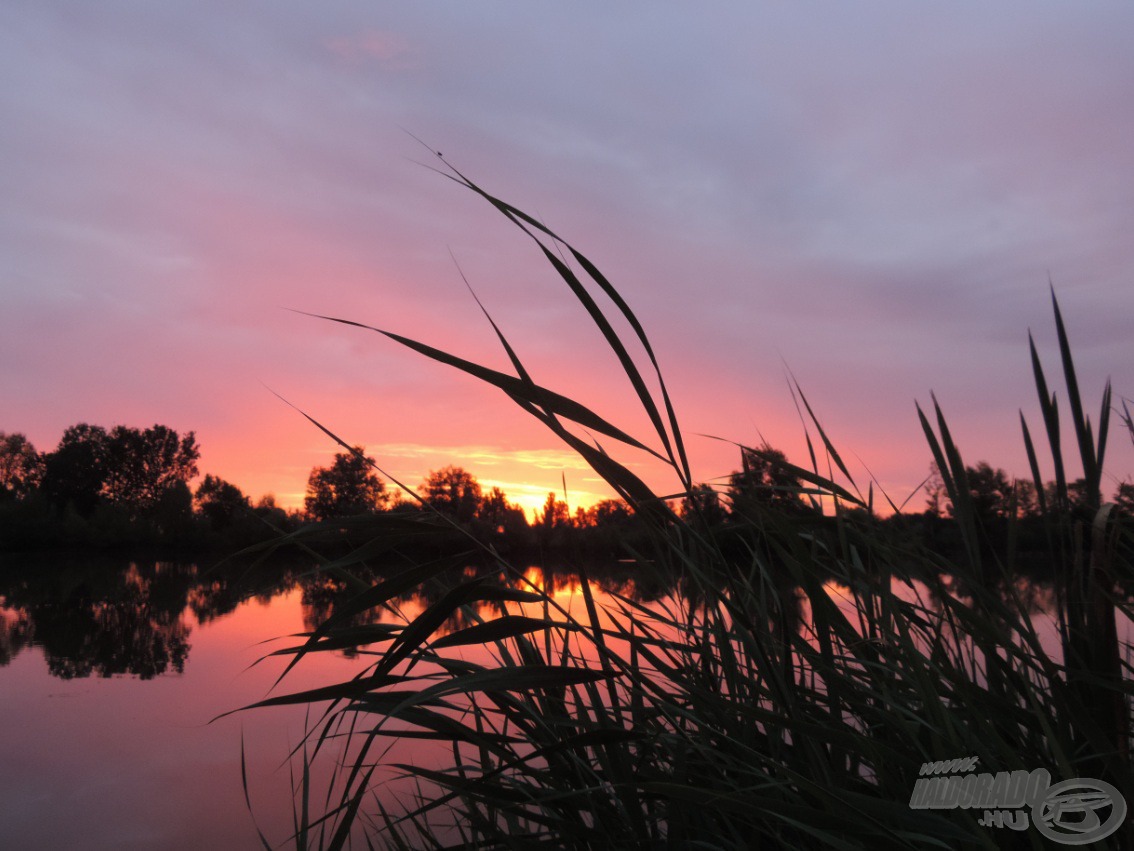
111 676
111 673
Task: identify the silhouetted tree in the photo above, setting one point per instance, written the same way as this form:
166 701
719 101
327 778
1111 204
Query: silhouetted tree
21 467
936 496
1124 498
703 505
270 518
220 502
764 482
990 491
170 517
1081 498
453 491
551 523
605 529
500 516
555 513
348 487
145 468
609 512
74 474
1027 503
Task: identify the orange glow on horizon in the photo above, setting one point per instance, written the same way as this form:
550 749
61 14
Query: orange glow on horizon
526 476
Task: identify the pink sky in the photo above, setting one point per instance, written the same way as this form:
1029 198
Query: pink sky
874 196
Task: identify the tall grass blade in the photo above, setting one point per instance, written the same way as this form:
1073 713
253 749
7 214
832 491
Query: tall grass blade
508 626
1033 464
1051 424
1104 429
527 224
780 690
1078 419
516 388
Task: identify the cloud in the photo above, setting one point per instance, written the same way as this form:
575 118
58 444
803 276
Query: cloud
390 50
875 196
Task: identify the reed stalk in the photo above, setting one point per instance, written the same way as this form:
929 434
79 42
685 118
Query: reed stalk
785 695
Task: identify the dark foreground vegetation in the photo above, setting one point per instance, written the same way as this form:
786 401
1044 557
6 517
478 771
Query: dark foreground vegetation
792 690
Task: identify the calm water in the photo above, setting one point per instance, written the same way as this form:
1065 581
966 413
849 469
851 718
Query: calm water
109 678
111 674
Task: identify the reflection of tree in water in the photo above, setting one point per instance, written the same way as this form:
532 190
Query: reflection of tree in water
321 594
99 616
640 581
219 592
93 619
15 633
137 631
553 578
212 599
1036 597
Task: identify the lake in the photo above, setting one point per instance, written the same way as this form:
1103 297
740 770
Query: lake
113 673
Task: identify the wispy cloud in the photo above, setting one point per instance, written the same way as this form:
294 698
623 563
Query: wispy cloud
390 50
477 457
875 196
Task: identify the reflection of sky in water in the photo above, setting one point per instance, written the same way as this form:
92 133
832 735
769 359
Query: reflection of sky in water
123 762
106 704
95 730
1038 599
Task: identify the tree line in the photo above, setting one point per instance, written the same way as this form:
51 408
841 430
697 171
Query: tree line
98 486
128 485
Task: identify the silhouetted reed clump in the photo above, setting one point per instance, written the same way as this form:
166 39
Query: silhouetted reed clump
786 696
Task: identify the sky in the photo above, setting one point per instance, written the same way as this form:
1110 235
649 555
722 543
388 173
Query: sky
871 198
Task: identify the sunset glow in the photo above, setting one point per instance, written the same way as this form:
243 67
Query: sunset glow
873 201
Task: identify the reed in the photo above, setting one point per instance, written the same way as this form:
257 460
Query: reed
786 697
